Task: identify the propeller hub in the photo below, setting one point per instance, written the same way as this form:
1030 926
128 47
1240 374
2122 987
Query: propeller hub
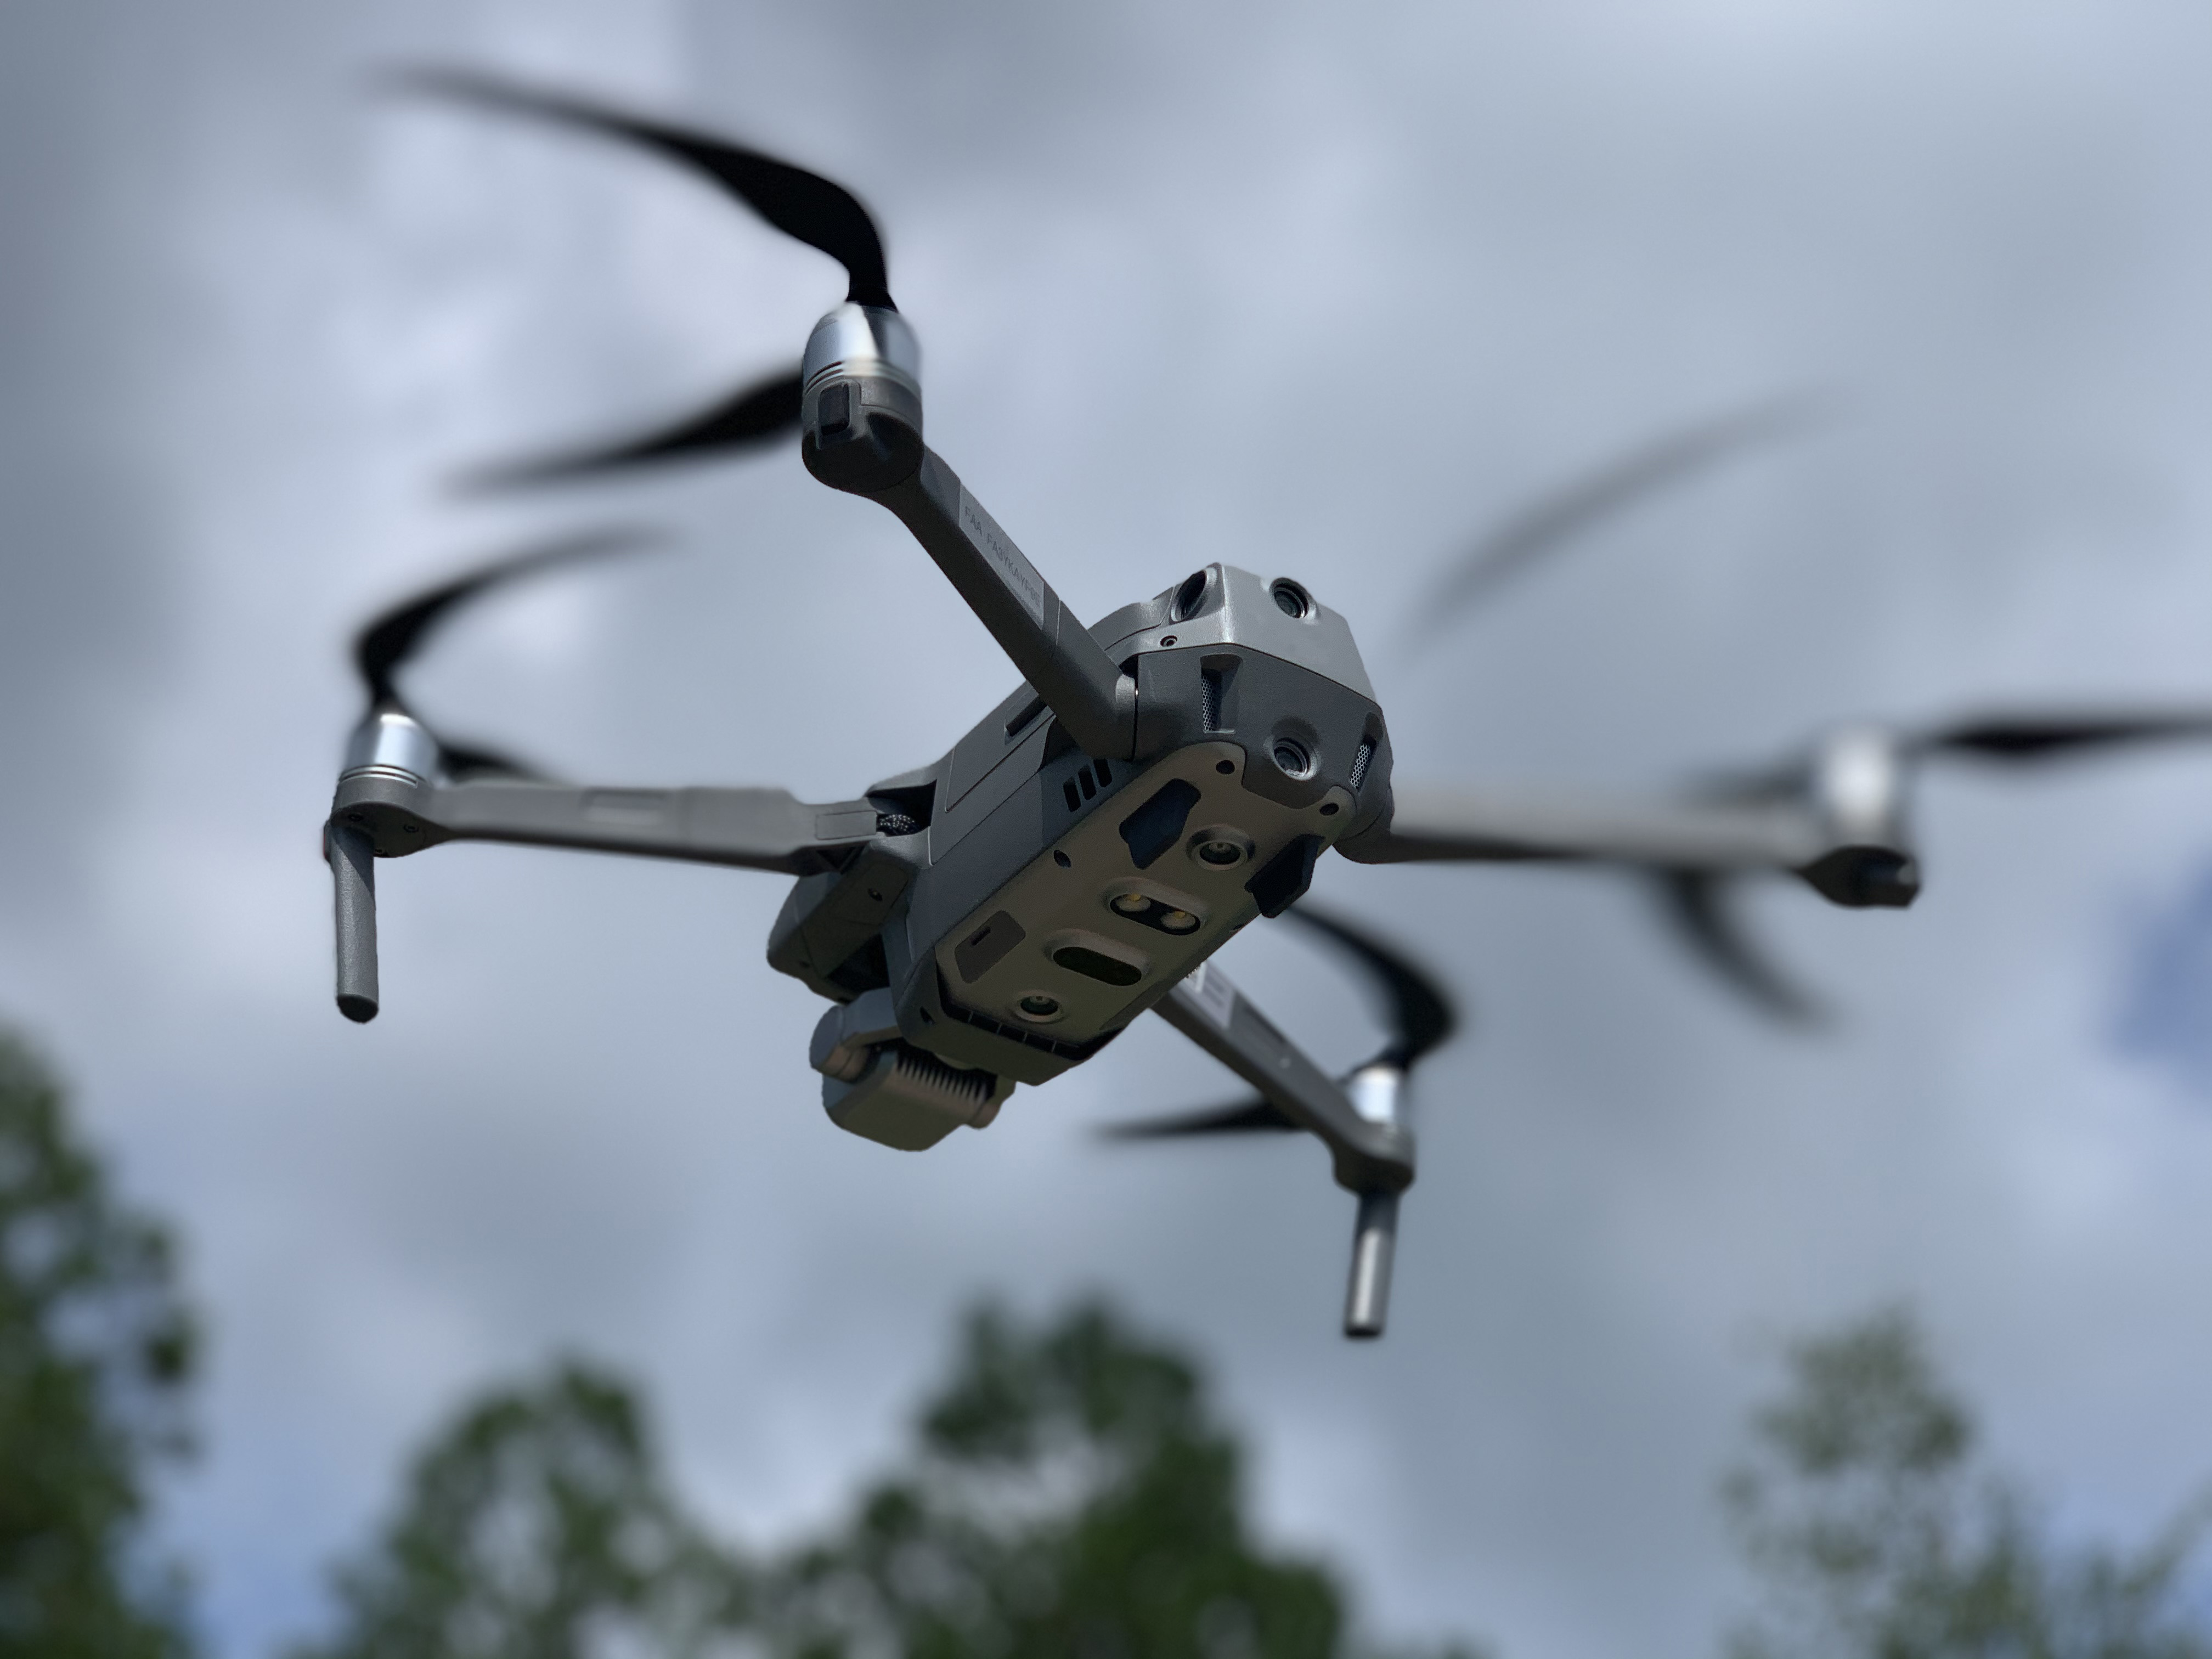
1858 784
391 741
860 407
1378 1093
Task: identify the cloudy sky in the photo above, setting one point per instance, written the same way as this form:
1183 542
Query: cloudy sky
1314 290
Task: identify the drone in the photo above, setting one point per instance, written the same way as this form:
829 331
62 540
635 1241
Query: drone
1159 781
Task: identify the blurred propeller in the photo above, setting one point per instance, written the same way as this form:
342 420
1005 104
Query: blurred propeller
755 415
1551 522
1700 903
393 638
2029 738
804 205
1418 1012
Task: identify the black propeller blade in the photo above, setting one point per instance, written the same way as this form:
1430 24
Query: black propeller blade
756 415
2037 737
1699 903
804 205
393 638
1250 1116
1418 1011
1557 518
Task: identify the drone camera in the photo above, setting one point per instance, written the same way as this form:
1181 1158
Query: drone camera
879 1087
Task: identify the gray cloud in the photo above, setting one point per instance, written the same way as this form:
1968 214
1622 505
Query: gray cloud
1301 288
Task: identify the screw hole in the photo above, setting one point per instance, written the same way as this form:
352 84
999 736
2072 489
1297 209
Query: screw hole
1224 766
1329 809
1062 859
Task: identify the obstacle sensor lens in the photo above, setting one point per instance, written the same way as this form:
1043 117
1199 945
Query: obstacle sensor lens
1038 1006
1291 756
1290 600
1221 855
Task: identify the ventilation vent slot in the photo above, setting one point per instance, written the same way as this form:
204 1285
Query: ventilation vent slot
1217 693
1089 784
1359 763
1105 776
1074 800
970 1087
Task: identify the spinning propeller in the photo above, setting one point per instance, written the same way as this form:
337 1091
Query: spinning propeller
804 205
1872 767
393 638
1855 778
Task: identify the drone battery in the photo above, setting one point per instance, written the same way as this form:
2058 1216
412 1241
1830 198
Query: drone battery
912 1100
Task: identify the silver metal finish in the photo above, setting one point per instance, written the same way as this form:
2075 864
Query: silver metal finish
1236 607
857 341
394 743
1374 1243
1858 783
1378 1093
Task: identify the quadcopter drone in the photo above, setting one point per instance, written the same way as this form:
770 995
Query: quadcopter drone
1160 780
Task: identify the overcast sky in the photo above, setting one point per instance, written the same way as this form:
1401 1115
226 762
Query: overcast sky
1318 291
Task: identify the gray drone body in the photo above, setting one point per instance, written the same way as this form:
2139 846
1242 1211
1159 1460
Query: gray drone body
1159 781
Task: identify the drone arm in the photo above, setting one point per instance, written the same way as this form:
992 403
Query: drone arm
1091 696
1672 835
748 828
1369 1157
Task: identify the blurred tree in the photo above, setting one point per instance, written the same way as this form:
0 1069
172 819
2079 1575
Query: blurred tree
1878 1535
539 1526
1069 1497
95 1351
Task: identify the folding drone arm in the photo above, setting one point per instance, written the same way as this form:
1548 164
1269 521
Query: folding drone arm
1372 1150
384 809
1848 868
860 432
1056 653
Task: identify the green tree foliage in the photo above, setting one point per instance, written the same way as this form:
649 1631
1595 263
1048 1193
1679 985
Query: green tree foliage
1880 1537
540 1527
96 1350
1068 1495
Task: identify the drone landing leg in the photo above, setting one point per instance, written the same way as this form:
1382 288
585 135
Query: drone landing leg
352 858
1374 1241
1372 1152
